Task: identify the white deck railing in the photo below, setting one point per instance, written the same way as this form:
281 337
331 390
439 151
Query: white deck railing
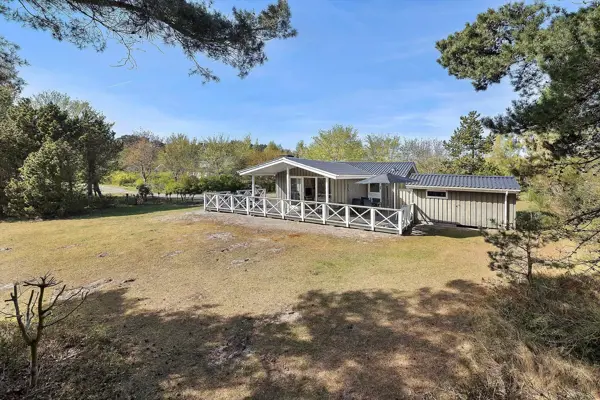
350 216
248 192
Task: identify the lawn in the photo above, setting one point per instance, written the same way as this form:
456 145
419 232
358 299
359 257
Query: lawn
189 305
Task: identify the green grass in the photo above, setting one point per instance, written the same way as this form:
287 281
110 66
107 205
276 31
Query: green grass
199 309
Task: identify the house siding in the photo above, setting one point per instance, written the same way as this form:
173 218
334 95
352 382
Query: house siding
462 208
340 190
476 209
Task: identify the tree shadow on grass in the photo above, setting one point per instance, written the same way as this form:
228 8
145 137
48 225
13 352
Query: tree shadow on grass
454 232
123 210
351 345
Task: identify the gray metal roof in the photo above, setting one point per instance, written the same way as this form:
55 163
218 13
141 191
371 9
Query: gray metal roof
336 168
386 178
465 181
377 168
366 168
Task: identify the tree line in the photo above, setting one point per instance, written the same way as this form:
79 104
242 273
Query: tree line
55 151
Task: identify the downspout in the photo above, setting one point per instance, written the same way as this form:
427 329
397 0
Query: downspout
506 223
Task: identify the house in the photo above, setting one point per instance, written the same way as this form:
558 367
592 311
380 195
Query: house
322 188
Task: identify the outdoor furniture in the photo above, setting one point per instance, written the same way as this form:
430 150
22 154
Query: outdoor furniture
367 203
357 202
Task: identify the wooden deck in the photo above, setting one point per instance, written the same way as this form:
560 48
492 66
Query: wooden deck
350 216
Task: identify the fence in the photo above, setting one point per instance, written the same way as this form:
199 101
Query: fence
248 192
351 216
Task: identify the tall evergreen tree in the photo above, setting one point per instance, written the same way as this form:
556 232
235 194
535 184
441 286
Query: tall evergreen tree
196 27
97 147
468 146
551 57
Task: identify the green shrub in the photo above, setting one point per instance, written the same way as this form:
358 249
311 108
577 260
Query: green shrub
160 180
123 178
143 191
47 185
220 183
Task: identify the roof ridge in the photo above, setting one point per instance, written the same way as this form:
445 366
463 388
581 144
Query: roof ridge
481 176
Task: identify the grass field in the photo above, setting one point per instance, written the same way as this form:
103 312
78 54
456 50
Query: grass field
186 306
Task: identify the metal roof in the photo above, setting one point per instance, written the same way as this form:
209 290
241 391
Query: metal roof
378 168
386 178
336 168
465 182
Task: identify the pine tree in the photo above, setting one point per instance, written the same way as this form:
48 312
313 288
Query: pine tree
468 146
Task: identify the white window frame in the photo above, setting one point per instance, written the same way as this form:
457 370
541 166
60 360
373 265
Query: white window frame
436 197
374 195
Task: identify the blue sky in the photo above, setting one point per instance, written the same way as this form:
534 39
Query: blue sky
370 64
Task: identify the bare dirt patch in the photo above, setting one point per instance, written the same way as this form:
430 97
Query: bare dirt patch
260 224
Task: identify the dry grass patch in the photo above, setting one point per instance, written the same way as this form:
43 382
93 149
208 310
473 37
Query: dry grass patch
204 308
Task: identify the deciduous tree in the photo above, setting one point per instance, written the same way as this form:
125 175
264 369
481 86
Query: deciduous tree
382 148
340 143
39 311
180 155
141 155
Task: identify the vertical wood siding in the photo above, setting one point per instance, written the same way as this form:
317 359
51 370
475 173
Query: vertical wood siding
341 191
476 209
462 208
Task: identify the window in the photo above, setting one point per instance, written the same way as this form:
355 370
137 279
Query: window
373 187
433 194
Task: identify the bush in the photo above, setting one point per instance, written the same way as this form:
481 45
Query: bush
159 181
143 191
220 183
123 178
47 186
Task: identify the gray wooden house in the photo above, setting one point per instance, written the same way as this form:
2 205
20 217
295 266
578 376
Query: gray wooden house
313 190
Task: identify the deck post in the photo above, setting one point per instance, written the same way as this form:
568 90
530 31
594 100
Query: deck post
324 211
217 198
326 190
282 209
247 205
264 200
347 210
253 186
204 196
232 203
372 218
400 221
288 182
302 211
